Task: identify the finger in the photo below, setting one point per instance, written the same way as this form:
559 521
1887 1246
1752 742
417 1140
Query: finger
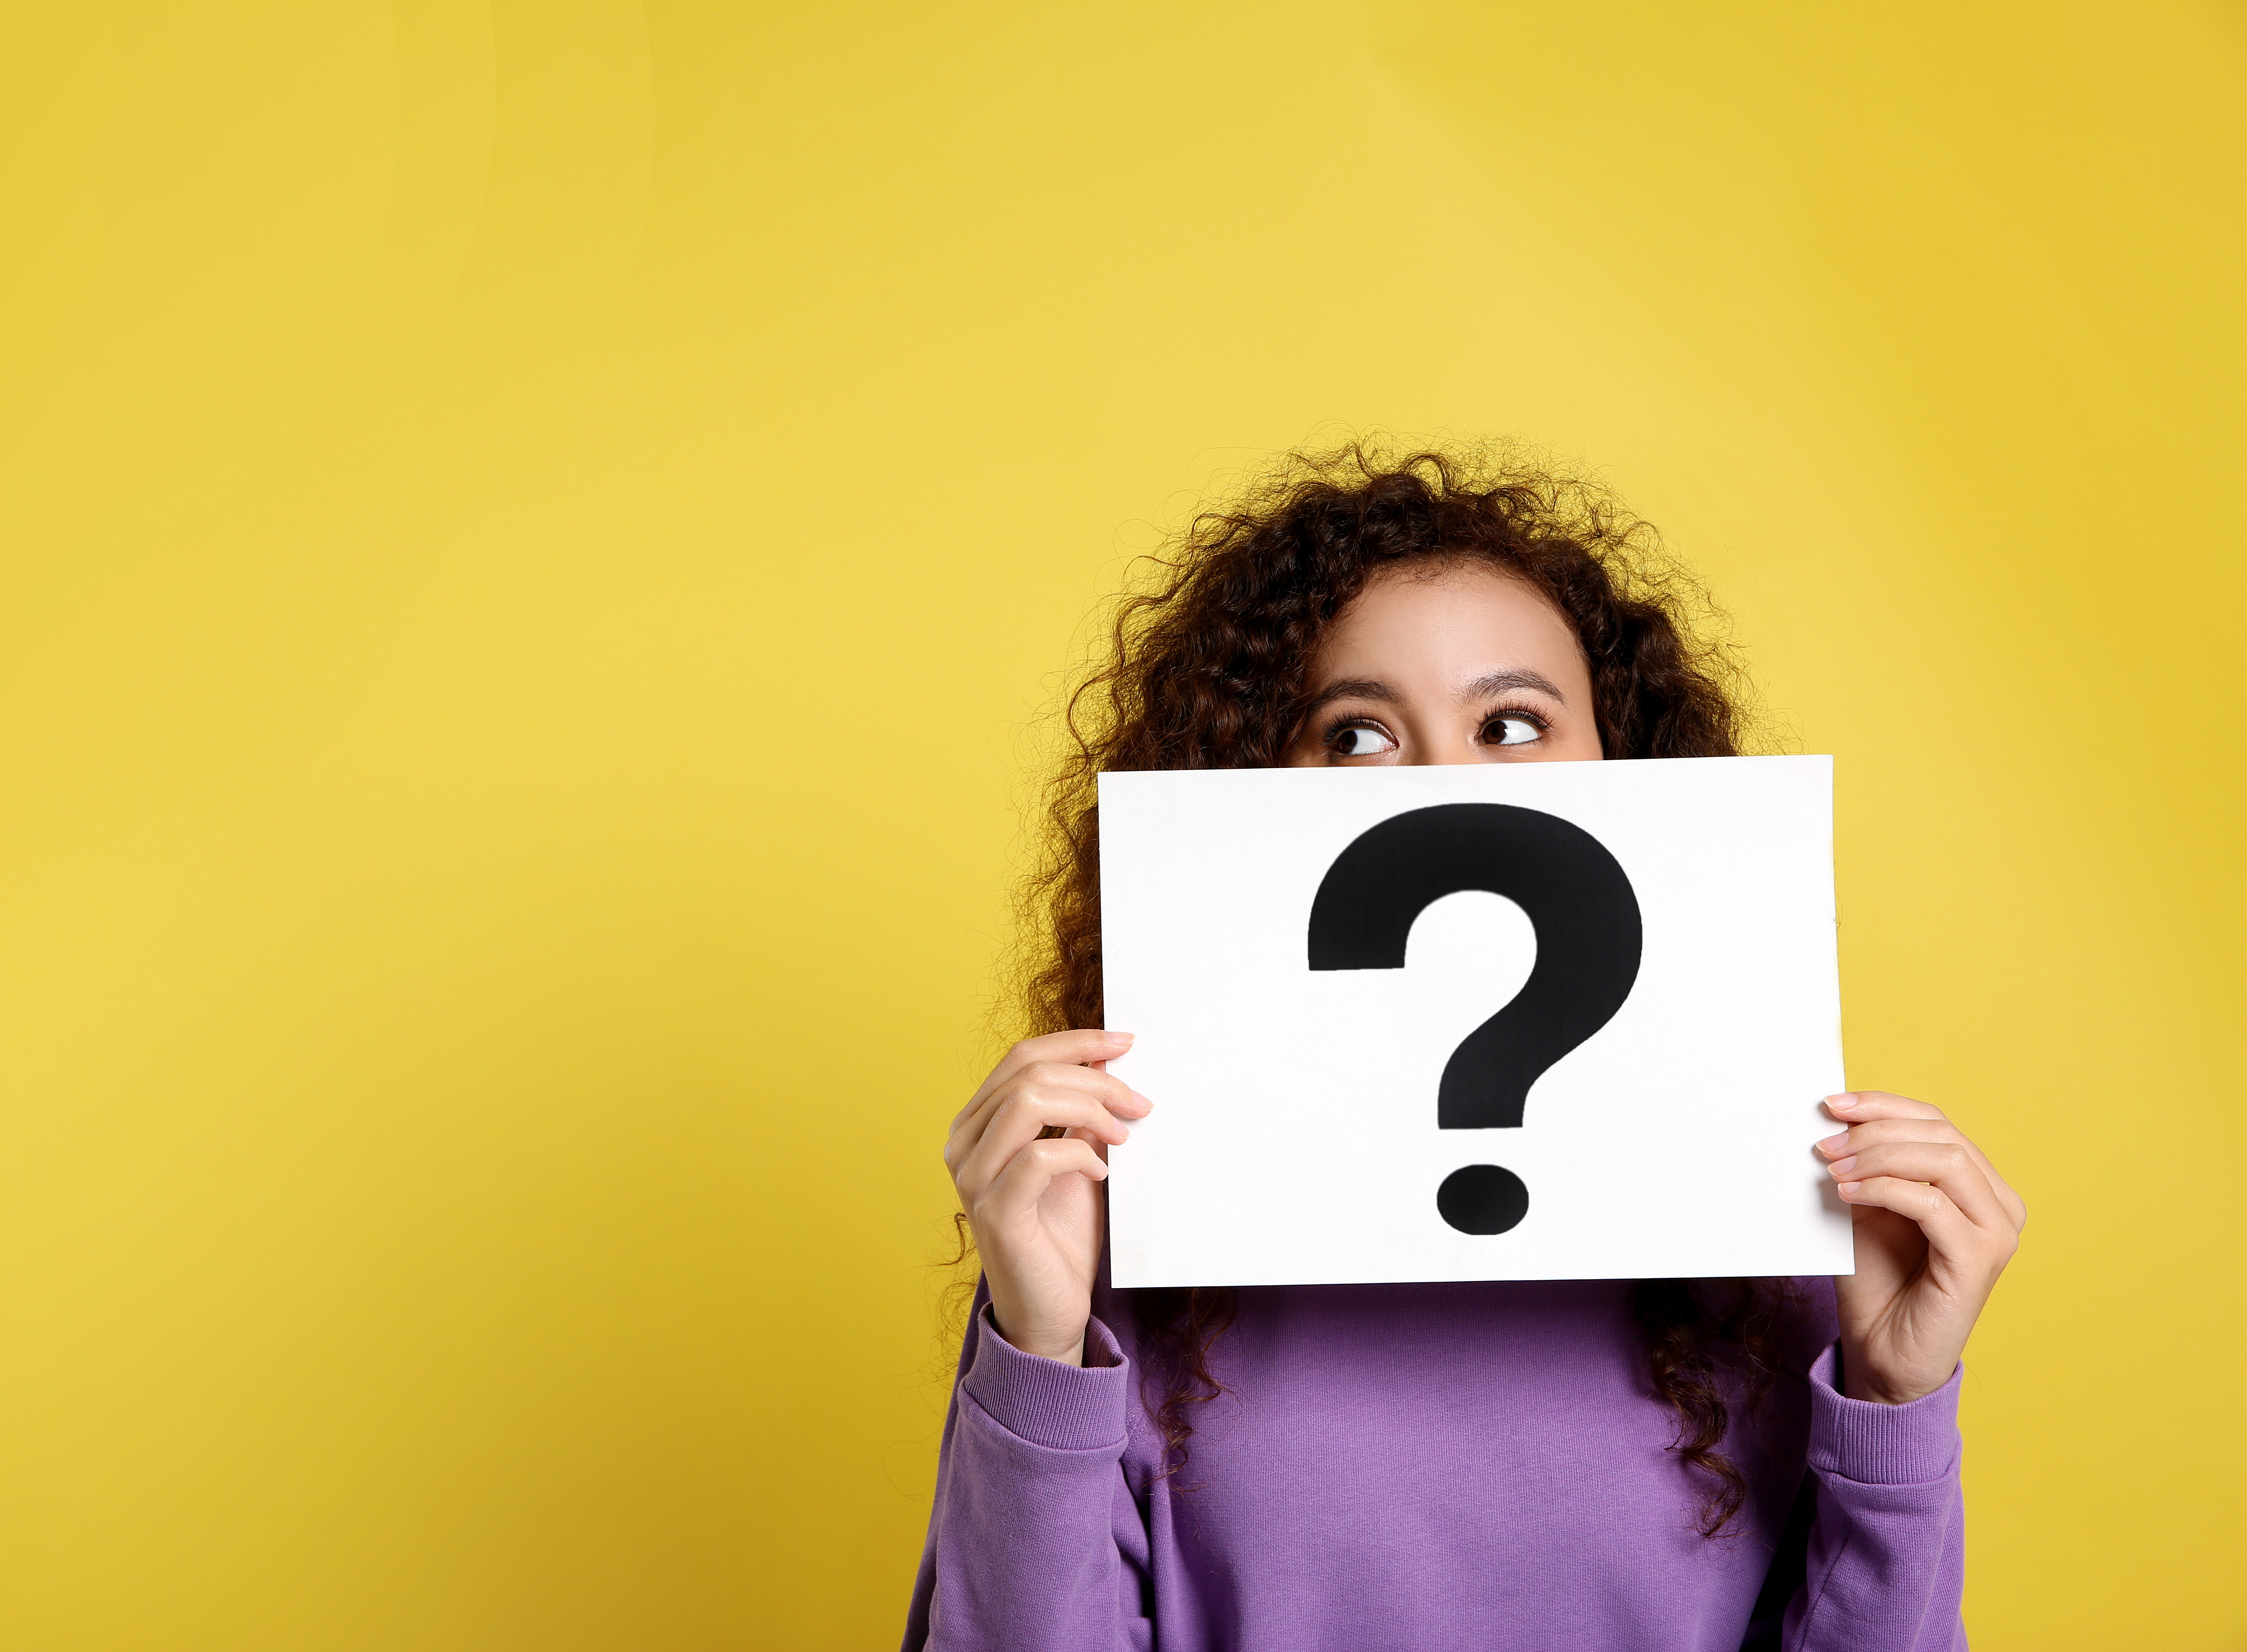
1111 1092
1020 1120
1071 1048
1946 1225
1025 1113
1861 1107
1030 1172
1021 1114
1875 1132
1946 1166
1857 1106
1076 1048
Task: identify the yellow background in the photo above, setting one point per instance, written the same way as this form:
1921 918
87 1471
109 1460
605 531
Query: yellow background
535 536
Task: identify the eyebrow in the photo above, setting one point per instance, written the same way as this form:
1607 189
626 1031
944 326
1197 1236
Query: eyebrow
1354 688
1497 682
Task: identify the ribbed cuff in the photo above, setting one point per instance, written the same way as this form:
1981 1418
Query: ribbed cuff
1065 1407
1876 1444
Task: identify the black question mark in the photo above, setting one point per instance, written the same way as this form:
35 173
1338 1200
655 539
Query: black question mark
1589 937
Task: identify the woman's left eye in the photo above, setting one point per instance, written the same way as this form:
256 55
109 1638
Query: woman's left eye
1510 731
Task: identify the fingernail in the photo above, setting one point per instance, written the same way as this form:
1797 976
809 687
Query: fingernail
1142 1100
1834 1144
1120 1038
1843 1099
1842 1166
1848 1190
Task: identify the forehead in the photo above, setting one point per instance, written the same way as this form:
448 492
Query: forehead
1466 616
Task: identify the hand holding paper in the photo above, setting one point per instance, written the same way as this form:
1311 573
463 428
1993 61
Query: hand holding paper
1936 1224
1033 1200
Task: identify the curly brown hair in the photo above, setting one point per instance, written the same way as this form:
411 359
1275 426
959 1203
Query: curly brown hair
1205 669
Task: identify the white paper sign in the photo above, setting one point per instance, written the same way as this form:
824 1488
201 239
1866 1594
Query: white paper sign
1342 981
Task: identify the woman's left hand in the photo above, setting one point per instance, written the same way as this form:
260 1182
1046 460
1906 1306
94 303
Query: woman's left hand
1936 1224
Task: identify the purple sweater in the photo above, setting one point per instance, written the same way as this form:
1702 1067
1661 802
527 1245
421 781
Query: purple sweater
1431 1467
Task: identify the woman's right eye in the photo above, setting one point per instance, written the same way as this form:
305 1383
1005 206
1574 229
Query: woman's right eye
1360 740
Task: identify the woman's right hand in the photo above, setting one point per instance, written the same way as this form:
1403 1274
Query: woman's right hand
1036 1204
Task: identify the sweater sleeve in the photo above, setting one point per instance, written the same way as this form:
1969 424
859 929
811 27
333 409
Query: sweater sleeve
1035 1543
1887 1560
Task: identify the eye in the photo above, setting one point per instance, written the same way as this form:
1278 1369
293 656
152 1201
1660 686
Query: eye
1511 731
1360 739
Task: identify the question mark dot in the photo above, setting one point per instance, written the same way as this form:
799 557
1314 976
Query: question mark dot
1483 1198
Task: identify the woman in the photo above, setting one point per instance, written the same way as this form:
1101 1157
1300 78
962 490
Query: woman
1668 1465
